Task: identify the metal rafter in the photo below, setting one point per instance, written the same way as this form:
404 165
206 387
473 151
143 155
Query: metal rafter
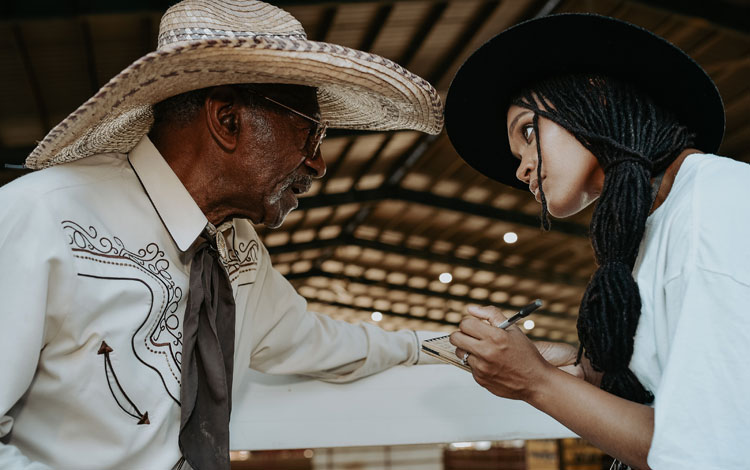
329 246
88 48
477 21
398 193
147 35
326 20
385 312
410 158
333 169
367 166
731 14
415 317
36 90
375 26
416 290
436 11
397 173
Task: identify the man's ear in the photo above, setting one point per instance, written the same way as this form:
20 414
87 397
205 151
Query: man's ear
222 110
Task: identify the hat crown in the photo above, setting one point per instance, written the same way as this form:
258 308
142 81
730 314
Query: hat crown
196 20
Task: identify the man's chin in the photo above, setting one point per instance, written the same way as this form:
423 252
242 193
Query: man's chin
276 211
277 220
275 224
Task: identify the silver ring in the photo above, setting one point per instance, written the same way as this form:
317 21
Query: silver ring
463 359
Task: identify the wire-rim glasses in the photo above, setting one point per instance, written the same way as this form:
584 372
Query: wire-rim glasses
320 130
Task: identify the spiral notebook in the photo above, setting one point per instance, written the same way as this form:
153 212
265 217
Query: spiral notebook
442 349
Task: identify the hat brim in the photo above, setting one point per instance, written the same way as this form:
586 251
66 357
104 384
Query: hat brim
356 90
481 91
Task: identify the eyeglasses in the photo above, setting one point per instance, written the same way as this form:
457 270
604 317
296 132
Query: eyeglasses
320 130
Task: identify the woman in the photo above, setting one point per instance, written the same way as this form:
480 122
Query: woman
581 108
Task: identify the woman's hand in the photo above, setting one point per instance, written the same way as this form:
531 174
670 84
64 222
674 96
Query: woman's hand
560 355
504 362
563 356
508 364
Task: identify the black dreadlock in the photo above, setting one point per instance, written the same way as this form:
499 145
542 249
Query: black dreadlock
633 139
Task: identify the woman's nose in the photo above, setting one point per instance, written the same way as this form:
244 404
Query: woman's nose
525 167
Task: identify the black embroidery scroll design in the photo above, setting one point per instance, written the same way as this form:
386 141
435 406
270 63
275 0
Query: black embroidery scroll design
243 257
164 335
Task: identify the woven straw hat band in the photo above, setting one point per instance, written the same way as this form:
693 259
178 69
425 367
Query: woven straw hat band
195 20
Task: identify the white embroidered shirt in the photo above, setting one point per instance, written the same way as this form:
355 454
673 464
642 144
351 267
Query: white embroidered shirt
94 270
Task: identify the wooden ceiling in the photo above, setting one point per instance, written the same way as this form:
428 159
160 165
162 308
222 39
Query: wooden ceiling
396 209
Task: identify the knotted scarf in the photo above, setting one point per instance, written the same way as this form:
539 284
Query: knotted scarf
207 359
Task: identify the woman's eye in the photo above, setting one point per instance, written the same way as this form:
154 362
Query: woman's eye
528 132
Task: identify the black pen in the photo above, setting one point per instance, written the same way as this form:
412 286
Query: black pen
524 312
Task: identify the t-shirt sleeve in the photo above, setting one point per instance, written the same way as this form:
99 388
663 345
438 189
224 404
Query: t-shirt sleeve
702 409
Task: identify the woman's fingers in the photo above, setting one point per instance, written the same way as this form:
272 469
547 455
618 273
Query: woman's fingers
557 354
461 354
464 343
489 313
475 327
575 371
561 355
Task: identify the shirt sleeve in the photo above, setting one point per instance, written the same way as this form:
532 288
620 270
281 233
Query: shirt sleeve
34 273
701 410
289 339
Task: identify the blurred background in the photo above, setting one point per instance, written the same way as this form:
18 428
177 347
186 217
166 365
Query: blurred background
401 232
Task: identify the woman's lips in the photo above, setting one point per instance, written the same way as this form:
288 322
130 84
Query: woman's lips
534 188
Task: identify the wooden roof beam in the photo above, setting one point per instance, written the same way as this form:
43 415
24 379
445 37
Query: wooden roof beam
330 244
391 192
421 291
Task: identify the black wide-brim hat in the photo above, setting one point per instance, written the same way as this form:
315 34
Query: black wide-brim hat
481 91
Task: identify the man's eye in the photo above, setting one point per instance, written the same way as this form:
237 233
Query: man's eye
528 132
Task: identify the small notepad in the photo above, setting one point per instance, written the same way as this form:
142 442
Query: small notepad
441 348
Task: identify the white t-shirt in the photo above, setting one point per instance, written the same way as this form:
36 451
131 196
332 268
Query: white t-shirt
692 345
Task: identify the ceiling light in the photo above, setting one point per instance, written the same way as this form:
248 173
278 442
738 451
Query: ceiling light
510 237
445 278
376 316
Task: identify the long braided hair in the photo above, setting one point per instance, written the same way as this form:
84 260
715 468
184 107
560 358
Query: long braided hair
633 140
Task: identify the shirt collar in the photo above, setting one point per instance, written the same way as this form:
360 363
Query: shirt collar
179 213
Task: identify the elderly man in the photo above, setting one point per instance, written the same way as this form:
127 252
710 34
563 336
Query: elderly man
134 286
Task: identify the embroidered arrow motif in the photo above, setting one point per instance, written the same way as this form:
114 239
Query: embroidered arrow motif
142 418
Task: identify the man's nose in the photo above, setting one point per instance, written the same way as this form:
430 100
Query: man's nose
317 164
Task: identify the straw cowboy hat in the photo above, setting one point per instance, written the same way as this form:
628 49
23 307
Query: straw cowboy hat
206 43
481 91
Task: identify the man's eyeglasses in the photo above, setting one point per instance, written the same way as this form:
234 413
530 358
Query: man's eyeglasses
320 130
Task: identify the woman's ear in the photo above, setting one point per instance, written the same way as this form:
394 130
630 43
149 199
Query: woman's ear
221 112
